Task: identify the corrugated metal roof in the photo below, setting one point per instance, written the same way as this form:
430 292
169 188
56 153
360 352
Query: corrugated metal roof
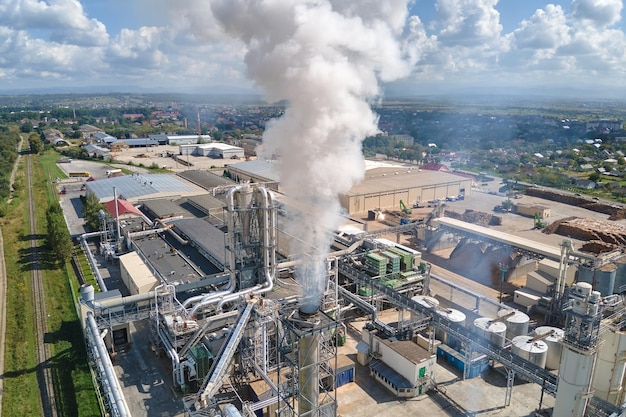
258 168
134 186
204 235
206 202
204 179
395 378
390 179
407 349
164 208
136 142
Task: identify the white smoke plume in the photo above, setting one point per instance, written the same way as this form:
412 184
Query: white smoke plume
325 59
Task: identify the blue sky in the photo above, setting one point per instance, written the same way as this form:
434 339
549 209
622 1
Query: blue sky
179 45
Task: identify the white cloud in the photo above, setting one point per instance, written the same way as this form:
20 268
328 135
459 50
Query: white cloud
64 19
546 29
43 40
599 13
467 22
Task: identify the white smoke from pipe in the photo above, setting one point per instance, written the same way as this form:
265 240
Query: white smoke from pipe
324 58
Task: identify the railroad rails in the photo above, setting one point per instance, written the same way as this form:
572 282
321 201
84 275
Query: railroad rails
44 373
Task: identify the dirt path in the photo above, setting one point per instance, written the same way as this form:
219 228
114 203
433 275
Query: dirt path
3 280
14 172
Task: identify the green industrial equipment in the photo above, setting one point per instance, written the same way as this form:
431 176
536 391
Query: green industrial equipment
404 208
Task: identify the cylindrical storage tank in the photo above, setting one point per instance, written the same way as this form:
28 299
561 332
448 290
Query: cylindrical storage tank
87 292
453 316
585 274
604 279
426 301
517 324
554 345
610 367
533 351
494 331
620 274
574 377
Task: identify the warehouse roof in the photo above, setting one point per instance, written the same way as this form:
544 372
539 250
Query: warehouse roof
388 179
136 142
133 187
205 202
259 168
204 236
164 208
205 179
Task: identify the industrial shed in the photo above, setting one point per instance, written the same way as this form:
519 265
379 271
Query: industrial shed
136 275
384 188
212 150
256 171
142 187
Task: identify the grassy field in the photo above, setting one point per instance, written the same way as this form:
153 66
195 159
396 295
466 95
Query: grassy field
74 388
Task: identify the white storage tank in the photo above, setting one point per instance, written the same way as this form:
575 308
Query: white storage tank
535 351
554 344
453 316
610 369
516 324
426 301
494 331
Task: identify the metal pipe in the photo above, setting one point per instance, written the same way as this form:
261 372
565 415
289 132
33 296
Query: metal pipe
114 392
117 217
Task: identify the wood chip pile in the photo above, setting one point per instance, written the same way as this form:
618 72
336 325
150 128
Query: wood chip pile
591 230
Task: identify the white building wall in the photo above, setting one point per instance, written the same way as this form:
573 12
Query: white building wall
395 361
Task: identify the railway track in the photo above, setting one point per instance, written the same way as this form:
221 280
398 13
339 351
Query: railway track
44 373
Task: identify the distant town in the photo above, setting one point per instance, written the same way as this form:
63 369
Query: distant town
562 144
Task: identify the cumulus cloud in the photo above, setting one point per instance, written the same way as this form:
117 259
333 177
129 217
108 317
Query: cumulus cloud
465 41
467 22
64 19
546 29
599 13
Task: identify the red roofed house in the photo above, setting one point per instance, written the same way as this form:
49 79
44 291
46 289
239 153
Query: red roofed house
124 209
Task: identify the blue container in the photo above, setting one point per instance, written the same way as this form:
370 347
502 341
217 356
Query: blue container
344 377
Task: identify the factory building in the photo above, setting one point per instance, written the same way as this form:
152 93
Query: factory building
165 139
212 150
384 188
401 366
139 186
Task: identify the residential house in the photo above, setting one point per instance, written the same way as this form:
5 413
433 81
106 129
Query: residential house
586 184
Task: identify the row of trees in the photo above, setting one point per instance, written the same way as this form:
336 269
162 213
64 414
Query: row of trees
58 238
9 140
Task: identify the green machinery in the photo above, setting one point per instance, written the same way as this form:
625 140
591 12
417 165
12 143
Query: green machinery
404 208
538 223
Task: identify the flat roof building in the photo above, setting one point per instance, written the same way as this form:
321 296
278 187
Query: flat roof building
383 188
